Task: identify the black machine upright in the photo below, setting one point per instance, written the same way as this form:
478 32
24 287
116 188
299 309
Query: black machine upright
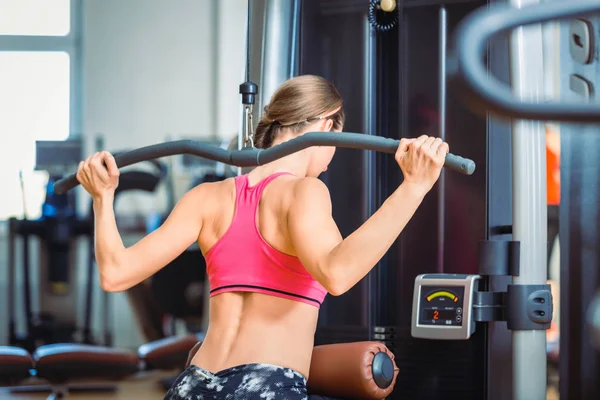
56 232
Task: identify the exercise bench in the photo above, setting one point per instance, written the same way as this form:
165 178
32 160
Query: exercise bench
62 364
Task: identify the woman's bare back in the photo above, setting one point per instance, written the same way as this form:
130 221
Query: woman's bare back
246 327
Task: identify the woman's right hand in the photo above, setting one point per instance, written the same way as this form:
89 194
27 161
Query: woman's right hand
99 175
421 160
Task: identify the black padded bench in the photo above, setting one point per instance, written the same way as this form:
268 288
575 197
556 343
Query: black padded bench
168 353
60 364
15 365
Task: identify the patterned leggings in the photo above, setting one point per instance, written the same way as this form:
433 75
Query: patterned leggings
244 382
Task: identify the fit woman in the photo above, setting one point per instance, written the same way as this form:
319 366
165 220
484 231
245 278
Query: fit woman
272 248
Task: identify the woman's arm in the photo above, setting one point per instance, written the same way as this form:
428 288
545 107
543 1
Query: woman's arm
338 264
120 267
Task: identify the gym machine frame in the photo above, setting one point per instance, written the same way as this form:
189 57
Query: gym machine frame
525 306
57 231
42 229
485 94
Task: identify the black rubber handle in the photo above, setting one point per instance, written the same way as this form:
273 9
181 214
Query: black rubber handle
253 157
484 92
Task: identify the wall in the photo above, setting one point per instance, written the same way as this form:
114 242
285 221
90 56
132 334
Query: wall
152 69
159 69
148 69
231 41
149 75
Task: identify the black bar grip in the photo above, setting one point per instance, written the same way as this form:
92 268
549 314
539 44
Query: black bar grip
253 157
483 92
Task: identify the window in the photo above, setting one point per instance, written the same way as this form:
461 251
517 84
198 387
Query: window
37 92
35 17
34 105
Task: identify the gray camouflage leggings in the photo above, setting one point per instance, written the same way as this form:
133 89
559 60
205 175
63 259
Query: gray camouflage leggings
244 382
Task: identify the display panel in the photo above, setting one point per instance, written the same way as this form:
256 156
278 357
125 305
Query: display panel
441 305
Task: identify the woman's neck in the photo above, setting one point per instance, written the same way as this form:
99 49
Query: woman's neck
296 163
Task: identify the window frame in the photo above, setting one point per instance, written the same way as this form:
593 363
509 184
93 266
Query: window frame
70 44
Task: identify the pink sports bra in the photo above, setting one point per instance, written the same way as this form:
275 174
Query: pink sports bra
242 261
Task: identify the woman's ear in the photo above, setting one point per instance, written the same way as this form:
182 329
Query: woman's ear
328 125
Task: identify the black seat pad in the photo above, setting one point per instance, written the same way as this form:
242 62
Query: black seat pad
15 364
67 362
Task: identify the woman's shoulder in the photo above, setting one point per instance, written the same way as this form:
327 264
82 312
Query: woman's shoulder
310 189
212 189
301 184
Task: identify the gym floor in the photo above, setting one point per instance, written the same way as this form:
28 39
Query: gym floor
143 386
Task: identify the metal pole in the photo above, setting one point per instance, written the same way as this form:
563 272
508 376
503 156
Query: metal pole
240 137
12 282
277 49
76 66
443 45
369 161
214 84
529 202
295 44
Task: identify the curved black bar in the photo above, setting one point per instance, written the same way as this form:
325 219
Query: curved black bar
160 166
254 157
484 92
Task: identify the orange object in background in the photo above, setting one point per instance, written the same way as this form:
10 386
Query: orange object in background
553 166
553 193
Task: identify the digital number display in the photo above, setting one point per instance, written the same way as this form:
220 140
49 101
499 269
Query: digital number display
441 305
440 315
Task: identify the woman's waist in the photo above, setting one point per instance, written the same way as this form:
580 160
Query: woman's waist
288 347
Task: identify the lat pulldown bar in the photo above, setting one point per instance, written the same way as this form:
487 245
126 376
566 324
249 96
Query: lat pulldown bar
251 157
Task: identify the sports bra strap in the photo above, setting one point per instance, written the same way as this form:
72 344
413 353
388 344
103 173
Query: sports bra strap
248 197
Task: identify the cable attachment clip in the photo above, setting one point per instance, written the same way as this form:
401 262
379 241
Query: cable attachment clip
248 130
248 90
